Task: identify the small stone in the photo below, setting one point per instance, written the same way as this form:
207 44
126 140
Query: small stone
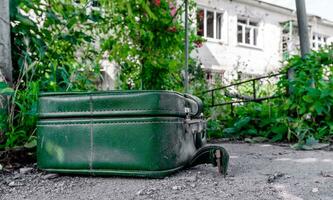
315 190
191 179
26 170
215 183
50 176
148 191
274 177
12 184
176 187
192 185
326 174
140 192
1 167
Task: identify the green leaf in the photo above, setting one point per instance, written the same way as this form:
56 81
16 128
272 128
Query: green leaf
31 144
319 107
311 141
230 130
242 122
308 99
7 91
259 139
276 138
280 130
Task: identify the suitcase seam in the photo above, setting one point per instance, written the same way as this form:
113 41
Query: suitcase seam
111 110
78 123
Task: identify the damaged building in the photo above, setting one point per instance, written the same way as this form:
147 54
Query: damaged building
250 38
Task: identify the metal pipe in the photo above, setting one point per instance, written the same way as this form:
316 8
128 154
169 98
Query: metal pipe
5 45
303 32
186 48
302 20
246 81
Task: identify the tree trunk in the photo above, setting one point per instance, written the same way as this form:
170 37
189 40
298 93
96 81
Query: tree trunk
5 49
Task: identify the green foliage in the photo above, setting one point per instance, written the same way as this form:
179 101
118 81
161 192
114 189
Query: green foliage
53 50
5 91
305 114
311 101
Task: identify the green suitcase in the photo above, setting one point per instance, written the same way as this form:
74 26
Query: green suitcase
126 133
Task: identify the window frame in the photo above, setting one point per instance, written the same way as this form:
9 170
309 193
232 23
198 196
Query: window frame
254 29
215 28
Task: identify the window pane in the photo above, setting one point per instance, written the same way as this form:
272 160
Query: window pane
210 24
253 23
218 25
242 21
240 34
255 36
200 22
247 35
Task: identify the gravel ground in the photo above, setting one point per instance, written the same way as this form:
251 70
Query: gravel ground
258 171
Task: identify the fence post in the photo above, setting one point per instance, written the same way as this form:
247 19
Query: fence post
254 90
213 98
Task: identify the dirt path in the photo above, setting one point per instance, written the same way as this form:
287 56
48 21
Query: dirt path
256 172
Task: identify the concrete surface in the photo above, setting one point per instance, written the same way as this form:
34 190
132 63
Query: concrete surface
259 171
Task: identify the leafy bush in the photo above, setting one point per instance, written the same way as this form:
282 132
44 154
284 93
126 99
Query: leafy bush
303 116
310 105
53 50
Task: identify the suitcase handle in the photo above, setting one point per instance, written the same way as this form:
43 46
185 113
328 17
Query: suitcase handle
214 154
195 105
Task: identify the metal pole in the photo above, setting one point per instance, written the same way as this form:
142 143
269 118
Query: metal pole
186 47
303 32
302 20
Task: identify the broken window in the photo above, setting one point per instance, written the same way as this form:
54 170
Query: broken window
200 22
209 23
247 32
289 39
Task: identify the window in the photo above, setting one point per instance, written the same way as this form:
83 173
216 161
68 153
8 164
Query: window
247 32
209 23
319 41
92 3
95 3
